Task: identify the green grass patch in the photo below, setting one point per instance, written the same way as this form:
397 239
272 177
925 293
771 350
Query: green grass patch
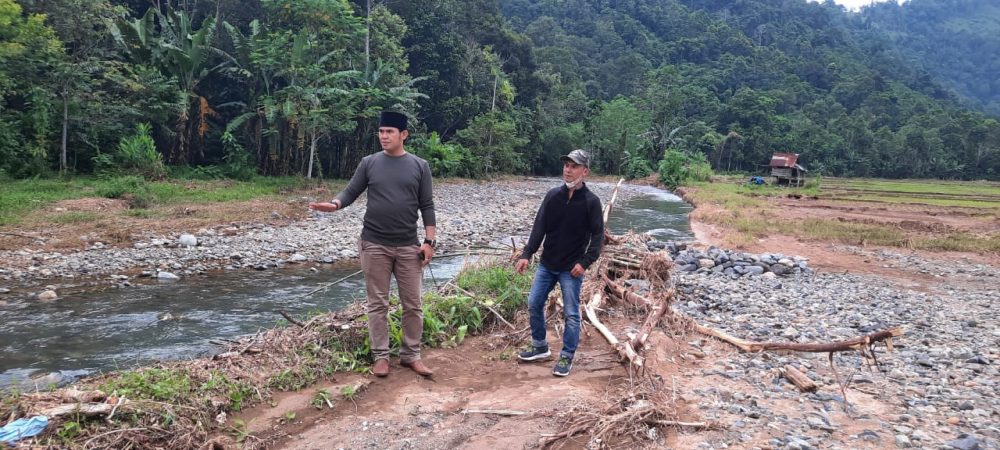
498 286
19 198
852 233
238 393
970 188
914 200
961 242
166 385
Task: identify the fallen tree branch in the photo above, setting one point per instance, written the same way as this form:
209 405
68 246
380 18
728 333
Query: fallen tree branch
624 348
625 295
810 347
674 423
611 204
652 319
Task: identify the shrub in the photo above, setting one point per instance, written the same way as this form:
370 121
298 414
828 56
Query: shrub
677 168
635 166
135 155
446 160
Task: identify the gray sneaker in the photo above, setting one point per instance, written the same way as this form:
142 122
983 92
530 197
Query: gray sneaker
562 367
534 354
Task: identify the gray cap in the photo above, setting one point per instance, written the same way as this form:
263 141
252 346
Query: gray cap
578 156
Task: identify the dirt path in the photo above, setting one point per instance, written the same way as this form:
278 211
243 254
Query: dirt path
405 410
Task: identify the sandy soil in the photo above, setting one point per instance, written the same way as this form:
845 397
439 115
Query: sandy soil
405 410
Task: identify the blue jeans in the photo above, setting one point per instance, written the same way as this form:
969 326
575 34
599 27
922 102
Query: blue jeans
543 283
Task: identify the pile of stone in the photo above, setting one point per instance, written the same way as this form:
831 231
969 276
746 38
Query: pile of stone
718 261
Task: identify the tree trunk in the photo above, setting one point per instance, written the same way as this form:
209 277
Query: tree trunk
65 129
312 155
368 37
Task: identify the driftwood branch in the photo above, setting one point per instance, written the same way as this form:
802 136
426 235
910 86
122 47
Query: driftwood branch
651 320
83 409
625 295
810 347
624 349
799 379
611 204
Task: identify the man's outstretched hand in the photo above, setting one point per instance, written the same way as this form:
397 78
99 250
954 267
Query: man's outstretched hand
324 206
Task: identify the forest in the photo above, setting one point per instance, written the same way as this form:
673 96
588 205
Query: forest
238 89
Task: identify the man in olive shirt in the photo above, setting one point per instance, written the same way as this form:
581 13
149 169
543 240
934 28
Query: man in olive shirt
399 185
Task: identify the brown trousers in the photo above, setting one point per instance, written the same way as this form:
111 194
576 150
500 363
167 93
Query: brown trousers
379 262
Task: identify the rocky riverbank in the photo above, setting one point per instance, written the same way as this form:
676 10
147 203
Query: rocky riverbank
469 214
937 389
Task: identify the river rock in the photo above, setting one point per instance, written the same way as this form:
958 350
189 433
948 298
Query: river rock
187 240
164 275
966 443
47 295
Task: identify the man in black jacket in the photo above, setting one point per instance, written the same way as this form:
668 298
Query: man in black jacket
571 224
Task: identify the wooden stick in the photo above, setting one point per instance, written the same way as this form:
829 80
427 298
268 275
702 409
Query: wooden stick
290 319
799 379
624 294
85 409
494 311
674 423
500 412
611 204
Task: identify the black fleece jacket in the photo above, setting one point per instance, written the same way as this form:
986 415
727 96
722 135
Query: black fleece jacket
572 228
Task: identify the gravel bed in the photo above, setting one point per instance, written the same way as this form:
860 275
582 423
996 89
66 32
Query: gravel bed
468 215
940 383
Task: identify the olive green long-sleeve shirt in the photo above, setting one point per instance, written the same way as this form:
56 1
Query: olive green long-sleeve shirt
398 187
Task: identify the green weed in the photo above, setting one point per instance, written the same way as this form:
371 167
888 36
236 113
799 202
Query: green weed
154 384
322 399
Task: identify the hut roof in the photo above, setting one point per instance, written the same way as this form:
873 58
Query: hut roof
784 159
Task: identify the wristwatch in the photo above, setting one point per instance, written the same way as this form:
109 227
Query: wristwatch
431 242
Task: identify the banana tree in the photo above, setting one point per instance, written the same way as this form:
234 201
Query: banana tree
183 53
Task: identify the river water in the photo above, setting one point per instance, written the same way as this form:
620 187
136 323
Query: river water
46 343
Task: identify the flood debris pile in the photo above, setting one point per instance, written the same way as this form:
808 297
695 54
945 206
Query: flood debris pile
633 277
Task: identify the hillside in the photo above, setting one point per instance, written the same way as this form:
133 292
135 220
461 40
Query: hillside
958 42
787 75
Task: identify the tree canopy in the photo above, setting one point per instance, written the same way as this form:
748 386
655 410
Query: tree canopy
293 87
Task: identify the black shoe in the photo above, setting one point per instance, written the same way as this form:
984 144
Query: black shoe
534 354
562 367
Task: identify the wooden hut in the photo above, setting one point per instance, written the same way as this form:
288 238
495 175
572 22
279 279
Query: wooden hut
786 169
